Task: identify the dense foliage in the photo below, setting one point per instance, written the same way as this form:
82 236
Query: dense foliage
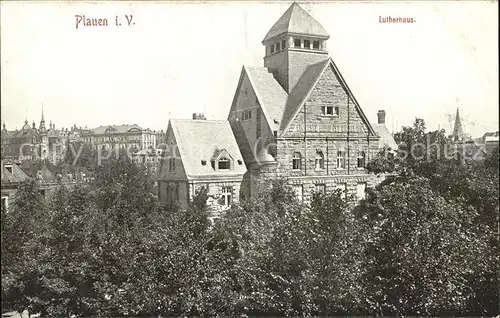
424 242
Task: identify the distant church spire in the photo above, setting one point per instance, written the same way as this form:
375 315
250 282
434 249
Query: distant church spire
42 121
458 133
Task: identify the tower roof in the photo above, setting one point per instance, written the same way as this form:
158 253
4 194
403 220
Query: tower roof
457 129
297 21
26 126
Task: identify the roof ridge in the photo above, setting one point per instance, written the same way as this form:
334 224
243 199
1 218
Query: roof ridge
306 95
292 7
200 120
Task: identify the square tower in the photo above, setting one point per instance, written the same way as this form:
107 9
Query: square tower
293 43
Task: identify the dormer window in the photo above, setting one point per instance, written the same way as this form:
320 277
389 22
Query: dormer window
222 160
316 45
283 44
278 46
223 164
272 48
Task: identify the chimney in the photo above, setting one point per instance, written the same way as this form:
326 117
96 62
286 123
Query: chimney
199 116
381 116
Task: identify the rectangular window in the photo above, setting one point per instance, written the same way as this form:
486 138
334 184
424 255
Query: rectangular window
307 44
277 46
361 190
340 159
329 110
316 45
320 187
361 159
319 162
272 48
296 42
172 165
283 44
247 115
296 164
223 164
227 195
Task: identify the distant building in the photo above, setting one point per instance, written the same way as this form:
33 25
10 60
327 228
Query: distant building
23 144
13 175
31 143
161 139
122 137
466 148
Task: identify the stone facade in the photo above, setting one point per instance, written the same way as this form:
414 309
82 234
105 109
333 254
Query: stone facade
192 161
322 140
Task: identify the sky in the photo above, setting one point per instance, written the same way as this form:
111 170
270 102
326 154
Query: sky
179 58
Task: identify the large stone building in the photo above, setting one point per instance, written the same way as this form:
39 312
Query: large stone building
201 153
293 118
299 114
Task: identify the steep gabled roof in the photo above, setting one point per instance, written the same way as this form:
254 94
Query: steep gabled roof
272 97
199 140
301 91
17 174
315 71
296 20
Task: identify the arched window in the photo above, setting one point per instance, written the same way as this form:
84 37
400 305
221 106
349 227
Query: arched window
296 161
319 162
223 163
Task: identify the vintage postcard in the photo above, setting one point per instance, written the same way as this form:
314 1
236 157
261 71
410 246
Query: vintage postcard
249 158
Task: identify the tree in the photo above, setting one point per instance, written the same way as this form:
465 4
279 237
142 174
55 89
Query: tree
24 229
421 251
